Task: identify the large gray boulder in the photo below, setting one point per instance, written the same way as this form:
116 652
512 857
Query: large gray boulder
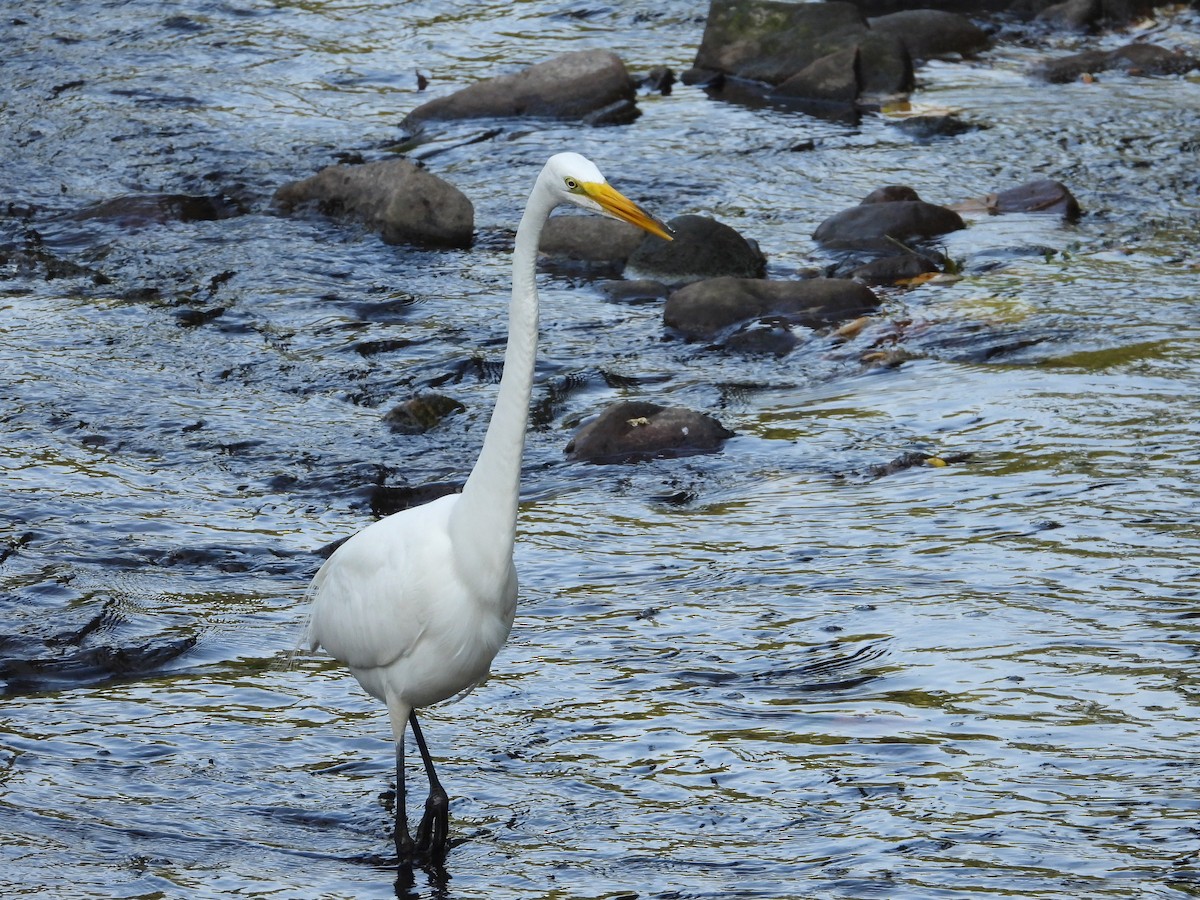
404 202
570 86
704 309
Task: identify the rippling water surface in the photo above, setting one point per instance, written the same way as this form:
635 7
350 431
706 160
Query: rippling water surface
786 670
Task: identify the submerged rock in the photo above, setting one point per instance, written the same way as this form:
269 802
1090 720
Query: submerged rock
1135 59
879 225
1040 195
419 414
137 210
403 201
630 430
570 86
702 248
891 269
706 308
925 128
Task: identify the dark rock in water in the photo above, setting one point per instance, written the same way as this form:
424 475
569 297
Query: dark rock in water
137 210
884 65
621 112
890 193
1043 195
821 52
636 429
892 269
659 80
914 458
643 290
589 239
702 248
417 415
876 226
405 202
974 8
932 33
706 308
1082 15
830 79
1136 59
386 500
769 335
771 41
925 128
569 86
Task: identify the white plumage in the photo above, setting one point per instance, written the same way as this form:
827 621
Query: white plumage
418 604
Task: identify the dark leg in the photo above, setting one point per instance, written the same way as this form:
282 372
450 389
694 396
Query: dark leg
433 834
405 846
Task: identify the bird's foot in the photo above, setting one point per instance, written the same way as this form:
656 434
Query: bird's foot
433 834
406 847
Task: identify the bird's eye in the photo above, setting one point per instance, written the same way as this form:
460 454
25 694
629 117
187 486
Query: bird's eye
572 184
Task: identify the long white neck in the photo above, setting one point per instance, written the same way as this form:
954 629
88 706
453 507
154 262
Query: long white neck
485 517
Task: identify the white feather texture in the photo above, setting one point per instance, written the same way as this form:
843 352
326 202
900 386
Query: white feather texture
418 604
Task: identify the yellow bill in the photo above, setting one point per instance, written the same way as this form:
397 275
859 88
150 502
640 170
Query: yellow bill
621 207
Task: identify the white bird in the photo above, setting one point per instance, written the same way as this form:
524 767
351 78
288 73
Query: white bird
418 604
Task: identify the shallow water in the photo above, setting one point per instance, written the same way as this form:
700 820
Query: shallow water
778 671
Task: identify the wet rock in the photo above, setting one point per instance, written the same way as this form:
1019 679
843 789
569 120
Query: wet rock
890 193
388 499
404 202
1135 59
659 80
630 430
831 79
644 290
702 248
419 414
569 86
925 128
816 51
893 269
884 65
620 112
139 210
1041 195
932 33
974 8
706 308
771 41
877 226
912 459
770 335
589 239
1082 15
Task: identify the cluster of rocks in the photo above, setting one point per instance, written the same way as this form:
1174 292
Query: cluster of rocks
841 53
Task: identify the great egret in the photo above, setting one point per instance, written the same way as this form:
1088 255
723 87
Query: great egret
418 604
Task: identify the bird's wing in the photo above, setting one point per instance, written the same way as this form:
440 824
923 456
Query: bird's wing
370 601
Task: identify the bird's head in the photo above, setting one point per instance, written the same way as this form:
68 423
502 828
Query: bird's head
574 179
